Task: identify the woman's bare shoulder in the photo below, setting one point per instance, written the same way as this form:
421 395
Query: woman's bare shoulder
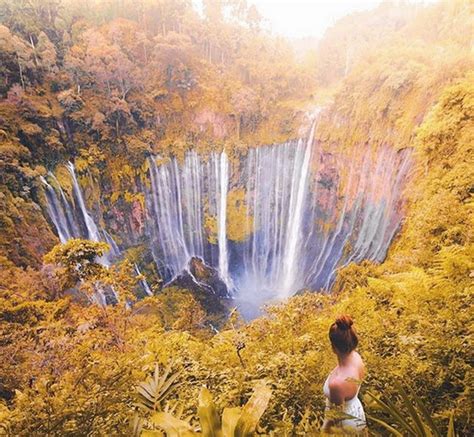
357 357
337 390
358 364
336 382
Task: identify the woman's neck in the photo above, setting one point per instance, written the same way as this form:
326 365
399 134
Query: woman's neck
343 359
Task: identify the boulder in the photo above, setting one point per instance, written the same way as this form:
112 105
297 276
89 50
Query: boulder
204 282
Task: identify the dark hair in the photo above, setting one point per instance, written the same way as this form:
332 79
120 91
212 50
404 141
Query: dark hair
342 335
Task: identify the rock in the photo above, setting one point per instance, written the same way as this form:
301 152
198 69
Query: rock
217 123
204 282
205 274
137 218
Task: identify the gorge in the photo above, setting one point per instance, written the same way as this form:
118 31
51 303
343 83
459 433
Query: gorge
302 213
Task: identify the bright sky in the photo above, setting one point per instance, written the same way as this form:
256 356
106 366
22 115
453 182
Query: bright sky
300 18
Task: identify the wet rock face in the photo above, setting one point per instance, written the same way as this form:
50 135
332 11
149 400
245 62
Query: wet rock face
137 218
208 275
204 282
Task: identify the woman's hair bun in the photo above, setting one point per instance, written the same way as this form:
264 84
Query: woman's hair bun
344 322
342 335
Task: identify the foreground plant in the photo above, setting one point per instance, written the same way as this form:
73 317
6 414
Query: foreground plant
411 419
157 388
235 422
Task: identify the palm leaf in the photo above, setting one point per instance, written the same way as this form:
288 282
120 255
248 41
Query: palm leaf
236 422
208 416
394 431
415 417
230 417
156 388
151 433
252 411
392 411
423 423
171 426
136 425
426 415
451 428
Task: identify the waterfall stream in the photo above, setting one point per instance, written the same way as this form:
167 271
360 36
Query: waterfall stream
295 222
92 230
57 213
223 172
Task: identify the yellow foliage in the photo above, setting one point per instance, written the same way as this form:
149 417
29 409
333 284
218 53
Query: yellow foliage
239 223
210 225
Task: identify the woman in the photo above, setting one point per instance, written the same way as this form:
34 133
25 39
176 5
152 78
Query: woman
342 385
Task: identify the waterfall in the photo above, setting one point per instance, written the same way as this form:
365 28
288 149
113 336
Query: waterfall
114 249
57 213
305 212
176 218
72 219
295 222
309 212
143 282
68 218
180 200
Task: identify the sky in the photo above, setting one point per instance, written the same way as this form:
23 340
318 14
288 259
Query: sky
303 18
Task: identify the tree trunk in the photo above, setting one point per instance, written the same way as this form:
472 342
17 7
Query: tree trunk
34 51
21 72
239 123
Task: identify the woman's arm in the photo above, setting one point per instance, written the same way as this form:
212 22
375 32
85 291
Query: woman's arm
336 392
336 399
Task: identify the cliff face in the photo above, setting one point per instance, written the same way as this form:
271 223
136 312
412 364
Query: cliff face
167 210
346 196
25 232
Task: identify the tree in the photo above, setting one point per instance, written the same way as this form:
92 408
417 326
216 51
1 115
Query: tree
16 58
245 104
46 52
96 61
79 260
31 17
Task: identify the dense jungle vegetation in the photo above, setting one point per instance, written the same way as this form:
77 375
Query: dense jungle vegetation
106 83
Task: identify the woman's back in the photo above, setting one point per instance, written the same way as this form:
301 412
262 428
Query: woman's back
344 381
342 385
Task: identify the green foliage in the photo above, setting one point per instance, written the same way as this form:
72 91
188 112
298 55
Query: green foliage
20 222
122 82
442 217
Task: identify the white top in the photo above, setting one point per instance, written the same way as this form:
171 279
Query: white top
352 407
